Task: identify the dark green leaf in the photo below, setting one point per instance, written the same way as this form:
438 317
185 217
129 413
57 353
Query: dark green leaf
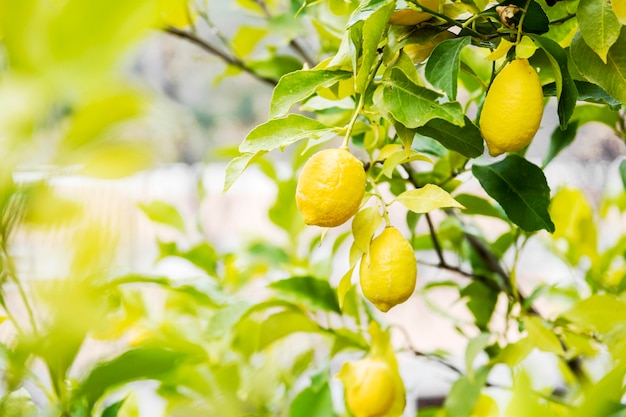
276 66
535 20
298 85
588 92
481 301
521 189
598 25
414 105
477 205
610 76
315 292
163 213
442 68
113 409
560 140
132 365
278 133
465 140
565 88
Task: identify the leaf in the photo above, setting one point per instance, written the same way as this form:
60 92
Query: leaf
477 205
603 398
237 165
442 68
17 404
113 409
316 293
565 88
525 401
481 301
514 353
364 225
599 312
414 105
427 198
132 365
163 213
464 393
525 49
246 39
344 286
588 92
622 172
598 26
474 347
466 140
610 76
278 133
521 189
542 337
559 140
619 8
298 85
313 402
501 50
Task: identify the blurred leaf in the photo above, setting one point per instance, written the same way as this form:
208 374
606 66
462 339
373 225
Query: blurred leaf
280 132
202 255
246 39
275 67
18 404
598 26
298 85
46 208
619 8
442 68
559 140
606 75
481 301
521 189
525 401
225 319
466 139
474 347
414 105
284 212
622 172
164 213
599 312
464 393
113 160
315 293
364 225
565 88
113 409
344 286
239 164
514 353
476 205
427 198
542 337
603 398
313 402
132 365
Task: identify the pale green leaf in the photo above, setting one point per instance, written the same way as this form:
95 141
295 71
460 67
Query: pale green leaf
598 25
278 133
474 347
315 293
619 8
344 286
163 213
237 165
246 39
542 337
600 312
364 225
401 157
427 198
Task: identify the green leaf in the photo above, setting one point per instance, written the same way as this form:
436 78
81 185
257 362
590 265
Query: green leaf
442 68
610 76
514 353
521 189
414 105
603 398
246 39
535 20
588 92
541 337
565 88
18 404
525 401
239 164
599 312
622 172
559 140
313 402
474 347
464 393
113 409
298 85
132 365
481 301
278 133
466 140
427 198
163 213
226 318
598 26
344 286
364 225
619 8
477 205
276 66
316 293
204 256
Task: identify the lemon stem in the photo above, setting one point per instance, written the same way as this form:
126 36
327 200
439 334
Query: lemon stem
521 22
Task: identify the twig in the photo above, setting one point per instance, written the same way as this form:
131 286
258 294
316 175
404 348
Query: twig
231 60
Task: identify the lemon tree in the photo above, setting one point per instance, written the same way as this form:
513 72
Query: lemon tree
401 136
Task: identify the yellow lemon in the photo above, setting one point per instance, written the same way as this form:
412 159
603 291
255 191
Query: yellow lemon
513 108
370 387
388 271
410 17
330 188
176 13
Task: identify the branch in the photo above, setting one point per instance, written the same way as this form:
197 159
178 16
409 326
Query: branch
230 60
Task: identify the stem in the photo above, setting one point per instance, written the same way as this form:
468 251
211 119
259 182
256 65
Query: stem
230 60
563 19
521 22
435 240
444 17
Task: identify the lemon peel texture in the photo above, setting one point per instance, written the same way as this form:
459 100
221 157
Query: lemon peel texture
513 108
330 188
370 388
388 272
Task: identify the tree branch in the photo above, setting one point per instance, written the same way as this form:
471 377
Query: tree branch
230 60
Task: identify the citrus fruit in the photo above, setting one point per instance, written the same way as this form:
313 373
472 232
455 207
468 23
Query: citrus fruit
410 17
176 13
513 108
330 188
370 387
388 271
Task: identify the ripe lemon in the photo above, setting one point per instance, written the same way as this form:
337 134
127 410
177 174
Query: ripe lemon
370 387
513 108
330 188
410 17
388 271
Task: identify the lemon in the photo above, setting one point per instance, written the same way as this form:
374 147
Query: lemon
370 387
513 108
176 13
330 188
388 271
410 17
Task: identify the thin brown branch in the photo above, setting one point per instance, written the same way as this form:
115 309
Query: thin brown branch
230 60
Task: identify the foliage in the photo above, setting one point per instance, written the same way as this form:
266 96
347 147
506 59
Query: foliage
264 330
